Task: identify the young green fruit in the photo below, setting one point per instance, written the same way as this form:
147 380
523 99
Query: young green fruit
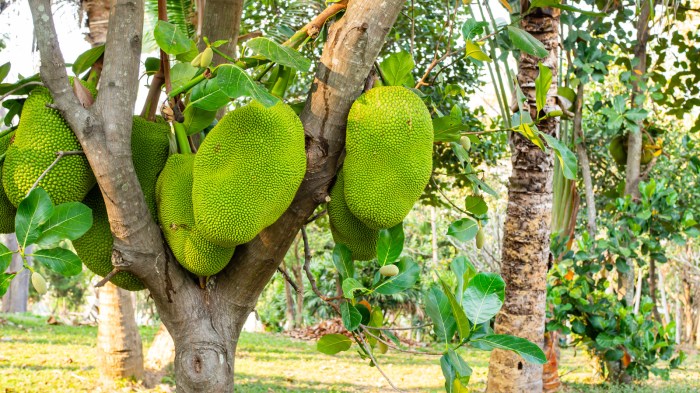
465 142
480 238
389 270
207 55
197 61
381 347
39 283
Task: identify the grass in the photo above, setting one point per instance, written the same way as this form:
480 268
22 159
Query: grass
35 357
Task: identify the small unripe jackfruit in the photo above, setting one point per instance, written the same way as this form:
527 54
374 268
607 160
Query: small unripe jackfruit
39 283
389 270
389 155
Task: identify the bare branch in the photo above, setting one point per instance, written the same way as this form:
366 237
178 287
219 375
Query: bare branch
397 348
291 282
9 93
374 360
108 277
59 155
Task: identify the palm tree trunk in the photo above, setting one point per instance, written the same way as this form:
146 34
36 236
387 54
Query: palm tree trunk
526 234
15 299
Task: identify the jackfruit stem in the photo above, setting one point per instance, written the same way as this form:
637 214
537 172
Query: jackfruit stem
284 76
181 136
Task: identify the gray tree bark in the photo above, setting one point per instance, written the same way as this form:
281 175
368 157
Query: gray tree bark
527 227
205 323
15 299
221 21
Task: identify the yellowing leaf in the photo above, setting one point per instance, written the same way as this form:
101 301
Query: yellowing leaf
507 6
474 51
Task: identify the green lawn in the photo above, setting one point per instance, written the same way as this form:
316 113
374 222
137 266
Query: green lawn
35 357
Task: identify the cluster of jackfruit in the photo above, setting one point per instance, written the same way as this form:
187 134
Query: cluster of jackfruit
243 177
150 146
389 146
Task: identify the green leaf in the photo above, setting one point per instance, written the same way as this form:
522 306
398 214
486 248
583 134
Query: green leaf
34 210
463 326
330 344
197 119
208 96
152 65
464 270
463 230
526 42
438 309
605 340
483 297
449 373
235 82
448 128
390 244
342 259
396 69
4 70
60 260
170 39
5 281
567 96
351 316
218 43
350 285
87 59
557 4
69 221
181 73
476 205
474 51
472 29
407 277
567 159
14 108
542 84
462 369
279 54
5 257
529 351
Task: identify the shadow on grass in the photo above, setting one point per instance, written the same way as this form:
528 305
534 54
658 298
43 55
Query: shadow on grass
247 383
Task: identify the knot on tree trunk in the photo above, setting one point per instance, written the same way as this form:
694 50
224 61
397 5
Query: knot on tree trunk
204 367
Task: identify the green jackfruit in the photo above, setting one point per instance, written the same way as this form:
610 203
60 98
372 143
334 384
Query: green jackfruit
618 149
247 171
95 247
43 132
150 145
389 146
346 228
174 200
7 209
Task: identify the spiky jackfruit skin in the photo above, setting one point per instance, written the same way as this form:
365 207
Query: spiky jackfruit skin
7 209
150 146
348 229
43 132
174 200
95 247
389 145
247 171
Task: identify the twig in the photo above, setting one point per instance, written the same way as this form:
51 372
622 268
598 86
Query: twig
9 93
448 199
374 361
108 277
289 279
59 155
392 346
310 276
316 216
397 328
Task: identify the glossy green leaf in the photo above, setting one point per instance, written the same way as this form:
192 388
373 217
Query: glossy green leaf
69 221
208 96
330 344
350 286
483 297
474 51
449 128
461 368
33 211
170 39
14 108
566 7
472 29
476 205
407 277
235 82
4 71
5 257
279 54
529 351
342 259
350 315
181 73
463 326
390 244
5 281
60 260
542 84
87 59
437 307
526 42
197 119
567 159
152 65
464 229
397 69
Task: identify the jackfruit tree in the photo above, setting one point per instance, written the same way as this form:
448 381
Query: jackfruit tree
205 231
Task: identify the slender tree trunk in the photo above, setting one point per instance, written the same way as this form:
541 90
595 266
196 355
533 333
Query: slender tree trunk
638 293
433 235
527 228
299 278
15 299
664 301
583 161
652 289
118 341
289 322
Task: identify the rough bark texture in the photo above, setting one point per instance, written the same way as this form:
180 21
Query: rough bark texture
205 323
222 21
527 226
97 12
550 377
15 299
118 341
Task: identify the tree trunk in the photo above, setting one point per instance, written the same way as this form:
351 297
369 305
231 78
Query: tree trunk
97 12
160 355
527 228
550 378
299 278
433 235
15 299
652 289
583 161
289 311
221 21
118 341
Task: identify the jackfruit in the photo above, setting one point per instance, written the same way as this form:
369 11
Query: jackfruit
94 248
150 145
42 133
346 228
7 209
247 172
174 200
618 149
389 145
